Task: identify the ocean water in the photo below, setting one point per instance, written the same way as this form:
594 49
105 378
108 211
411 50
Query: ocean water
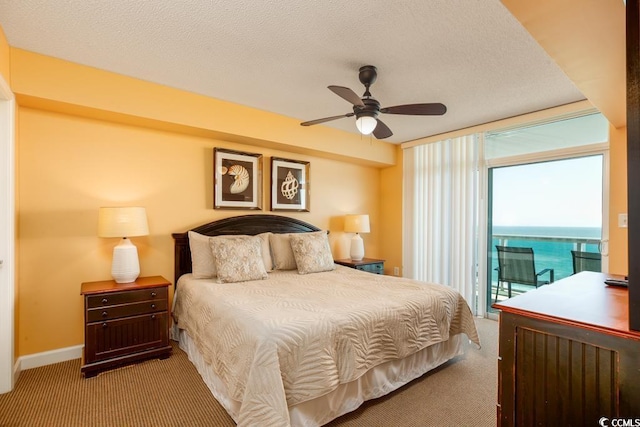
556 255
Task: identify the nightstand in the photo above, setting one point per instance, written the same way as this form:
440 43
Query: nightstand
366 264
124 323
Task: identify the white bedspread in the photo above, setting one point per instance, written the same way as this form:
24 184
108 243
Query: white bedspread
292 337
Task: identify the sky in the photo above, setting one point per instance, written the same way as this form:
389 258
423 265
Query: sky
562 193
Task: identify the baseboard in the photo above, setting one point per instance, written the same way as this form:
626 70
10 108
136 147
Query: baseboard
16 372
49 357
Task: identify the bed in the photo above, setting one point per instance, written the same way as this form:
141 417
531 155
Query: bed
302 346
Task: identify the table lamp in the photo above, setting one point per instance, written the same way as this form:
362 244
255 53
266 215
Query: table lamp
356 224
123 222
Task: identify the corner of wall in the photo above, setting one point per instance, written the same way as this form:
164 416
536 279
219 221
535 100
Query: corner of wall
5 63
391 186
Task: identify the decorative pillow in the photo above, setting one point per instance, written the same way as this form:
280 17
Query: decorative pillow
238 258
312 252
202 263
281 252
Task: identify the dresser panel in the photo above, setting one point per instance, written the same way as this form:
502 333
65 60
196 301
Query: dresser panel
562 381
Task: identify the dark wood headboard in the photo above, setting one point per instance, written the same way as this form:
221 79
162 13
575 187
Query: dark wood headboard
244 224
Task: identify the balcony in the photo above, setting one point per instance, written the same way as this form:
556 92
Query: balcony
550 252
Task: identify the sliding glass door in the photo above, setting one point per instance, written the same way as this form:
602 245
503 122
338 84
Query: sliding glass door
553 210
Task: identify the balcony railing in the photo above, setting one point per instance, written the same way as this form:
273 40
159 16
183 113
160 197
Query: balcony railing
550 252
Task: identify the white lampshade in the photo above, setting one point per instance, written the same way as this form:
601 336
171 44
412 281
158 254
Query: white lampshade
366 124
356 224
123 222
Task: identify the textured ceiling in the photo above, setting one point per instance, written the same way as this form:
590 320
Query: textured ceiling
280 55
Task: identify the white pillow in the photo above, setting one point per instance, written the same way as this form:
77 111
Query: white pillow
312 252
266 251
238 258
283 258
202 263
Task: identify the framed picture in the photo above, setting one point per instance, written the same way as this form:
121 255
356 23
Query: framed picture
289 185
237 180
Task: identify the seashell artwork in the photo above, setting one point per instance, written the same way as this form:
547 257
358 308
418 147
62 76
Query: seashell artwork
289 187
240 179
237 180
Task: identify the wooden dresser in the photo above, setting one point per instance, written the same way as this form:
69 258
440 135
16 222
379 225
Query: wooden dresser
567 356
125 322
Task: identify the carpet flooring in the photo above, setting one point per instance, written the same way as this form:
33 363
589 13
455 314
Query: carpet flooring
170 392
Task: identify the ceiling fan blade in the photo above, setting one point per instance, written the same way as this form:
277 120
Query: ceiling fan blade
326 119
348 94
433 109
382 131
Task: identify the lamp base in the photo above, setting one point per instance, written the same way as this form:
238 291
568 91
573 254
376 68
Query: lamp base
357 248
125 267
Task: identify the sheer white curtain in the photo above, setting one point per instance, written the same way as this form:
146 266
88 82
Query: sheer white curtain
441 200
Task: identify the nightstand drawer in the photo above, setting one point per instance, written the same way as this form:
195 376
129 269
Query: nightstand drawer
106 340
377 268
116 311
370 265
114 298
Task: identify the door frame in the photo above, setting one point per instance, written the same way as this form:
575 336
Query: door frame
7 237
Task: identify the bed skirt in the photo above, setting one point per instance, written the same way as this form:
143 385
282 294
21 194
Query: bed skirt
377 382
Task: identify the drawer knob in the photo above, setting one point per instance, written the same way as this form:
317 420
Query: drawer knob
104 300
104 325
153 316
105 314
153 306
153 294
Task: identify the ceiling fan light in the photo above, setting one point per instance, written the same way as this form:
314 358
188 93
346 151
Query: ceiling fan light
366 124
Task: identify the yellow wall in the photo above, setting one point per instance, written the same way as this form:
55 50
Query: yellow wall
86 91
4 57
89 138
70 166
618 239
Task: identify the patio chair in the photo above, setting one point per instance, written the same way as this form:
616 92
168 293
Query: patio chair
517 265
586 261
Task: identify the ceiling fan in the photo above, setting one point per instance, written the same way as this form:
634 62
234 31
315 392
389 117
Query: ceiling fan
367 108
